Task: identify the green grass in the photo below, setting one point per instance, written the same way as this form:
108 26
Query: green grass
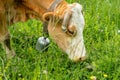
102 42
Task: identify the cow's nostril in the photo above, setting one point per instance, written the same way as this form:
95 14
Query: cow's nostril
80 58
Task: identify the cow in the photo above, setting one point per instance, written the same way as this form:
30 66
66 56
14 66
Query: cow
64 23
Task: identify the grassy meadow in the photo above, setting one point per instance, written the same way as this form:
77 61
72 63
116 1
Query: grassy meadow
102 41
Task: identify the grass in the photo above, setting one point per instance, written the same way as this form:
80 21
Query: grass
102 42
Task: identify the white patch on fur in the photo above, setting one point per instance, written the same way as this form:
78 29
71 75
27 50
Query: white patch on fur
76 50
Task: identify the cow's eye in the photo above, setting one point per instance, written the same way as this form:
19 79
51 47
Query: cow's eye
71 30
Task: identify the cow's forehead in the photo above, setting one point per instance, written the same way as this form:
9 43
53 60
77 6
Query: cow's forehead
77 16
75 6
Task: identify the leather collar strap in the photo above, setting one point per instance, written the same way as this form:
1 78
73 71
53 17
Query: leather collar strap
54 5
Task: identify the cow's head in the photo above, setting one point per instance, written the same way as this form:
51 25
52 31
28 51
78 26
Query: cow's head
66 28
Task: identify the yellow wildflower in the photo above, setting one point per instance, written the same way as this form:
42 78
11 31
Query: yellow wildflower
93 78
105 75
23 79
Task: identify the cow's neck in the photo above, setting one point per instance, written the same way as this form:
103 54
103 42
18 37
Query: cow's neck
43 3
39 6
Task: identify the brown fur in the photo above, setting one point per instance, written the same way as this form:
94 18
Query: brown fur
12 11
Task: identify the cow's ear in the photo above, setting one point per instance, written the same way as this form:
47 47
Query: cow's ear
47 16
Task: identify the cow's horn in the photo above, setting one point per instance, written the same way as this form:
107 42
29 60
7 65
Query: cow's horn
66 20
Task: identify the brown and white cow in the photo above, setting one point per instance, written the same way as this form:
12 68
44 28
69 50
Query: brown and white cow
65 23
